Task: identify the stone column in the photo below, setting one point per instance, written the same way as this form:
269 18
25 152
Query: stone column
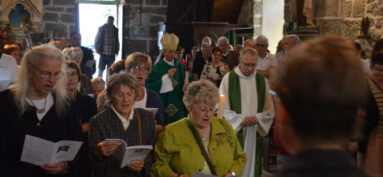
257 23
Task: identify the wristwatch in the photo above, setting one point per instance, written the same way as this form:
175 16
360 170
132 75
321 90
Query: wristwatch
66 168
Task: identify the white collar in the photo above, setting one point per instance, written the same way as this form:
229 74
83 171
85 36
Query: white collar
239 72
122 118
171 63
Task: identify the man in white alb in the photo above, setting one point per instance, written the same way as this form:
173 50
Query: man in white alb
248 107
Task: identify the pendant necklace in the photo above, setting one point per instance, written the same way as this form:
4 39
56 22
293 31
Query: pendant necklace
42 110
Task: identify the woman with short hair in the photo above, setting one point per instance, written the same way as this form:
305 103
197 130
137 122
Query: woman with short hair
75 55
177 152
14 51
120 120
216 69
140 64
37 105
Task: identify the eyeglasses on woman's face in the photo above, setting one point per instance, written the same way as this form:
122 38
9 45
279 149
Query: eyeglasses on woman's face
143 69
46 74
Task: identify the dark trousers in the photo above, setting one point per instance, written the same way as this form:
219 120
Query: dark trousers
105 60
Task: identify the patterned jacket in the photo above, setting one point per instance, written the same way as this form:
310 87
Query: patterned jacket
105 125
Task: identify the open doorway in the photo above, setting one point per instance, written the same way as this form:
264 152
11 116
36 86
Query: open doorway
91 17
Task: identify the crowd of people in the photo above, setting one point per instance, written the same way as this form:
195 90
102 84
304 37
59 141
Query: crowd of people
323 103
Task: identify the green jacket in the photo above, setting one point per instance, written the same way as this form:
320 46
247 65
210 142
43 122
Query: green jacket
177 151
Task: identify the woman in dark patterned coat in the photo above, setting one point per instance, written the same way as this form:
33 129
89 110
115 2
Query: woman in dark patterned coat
121 121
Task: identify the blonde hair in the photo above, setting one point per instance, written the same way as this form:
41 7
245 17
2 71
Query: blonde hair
73 52
137 58
97 80
201 91
22 85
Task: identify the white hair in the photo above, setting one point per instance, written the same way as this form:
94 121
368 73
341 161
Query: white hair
205 45
263 38
294 38
22 85
222 38
73 52
208 38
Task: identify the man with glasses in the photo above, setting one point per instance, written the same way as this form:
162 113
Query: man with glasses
88 64
265 60
288 42
8 68
248 107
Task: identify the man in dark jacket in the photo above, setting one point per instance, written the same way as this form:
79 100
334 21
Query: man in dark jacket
88 65
107 45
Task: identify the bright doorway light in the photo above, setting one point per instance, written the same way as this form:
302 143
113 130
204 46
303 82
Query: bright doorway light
91 17
272 22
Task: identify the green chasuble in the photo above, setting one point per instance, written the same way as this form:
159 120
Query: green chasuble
172 101
235 105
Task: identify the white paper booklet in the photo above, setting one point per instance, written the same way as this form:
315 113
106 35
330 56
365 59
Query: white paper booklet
200 174
130 154
39 151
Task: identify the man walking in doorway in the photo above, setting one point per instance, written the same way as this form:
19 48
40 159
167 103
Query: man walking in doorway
107 45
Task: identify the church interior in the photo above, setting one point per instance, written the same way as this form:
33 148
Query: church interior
142 24
142 20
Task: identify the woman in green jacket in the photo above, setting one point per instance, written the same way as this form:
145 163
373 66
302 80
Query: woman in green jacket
177 152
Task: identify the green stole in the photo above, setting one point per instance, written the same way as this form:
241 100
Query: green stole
235 105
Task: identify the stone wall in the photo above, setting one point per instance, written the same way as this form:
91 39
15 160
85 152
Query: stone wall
251 15
153 13
355 10
58 19
245 16
343 17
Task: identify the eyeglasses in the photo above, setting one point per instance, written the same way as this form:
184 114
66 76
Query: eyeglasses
248 65
47 75
138 68
207 109
260 45
71 75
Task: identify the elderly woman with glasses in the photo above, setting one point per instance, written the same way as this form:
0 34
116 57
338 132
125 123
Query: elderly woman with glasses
86 108
139 65
37 104
216 69
75 55
179 150
122 121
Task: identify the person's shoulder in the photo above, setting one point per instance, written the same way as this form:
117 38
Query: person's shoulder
6 95
103 115
85 98
179 64
177 126
145 114
151 93
85 49
221 122
8 59
83 77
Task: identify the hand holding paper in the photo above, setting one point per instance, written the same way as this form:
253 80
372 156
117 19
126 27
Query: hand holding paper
39 151
107 148
127 155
